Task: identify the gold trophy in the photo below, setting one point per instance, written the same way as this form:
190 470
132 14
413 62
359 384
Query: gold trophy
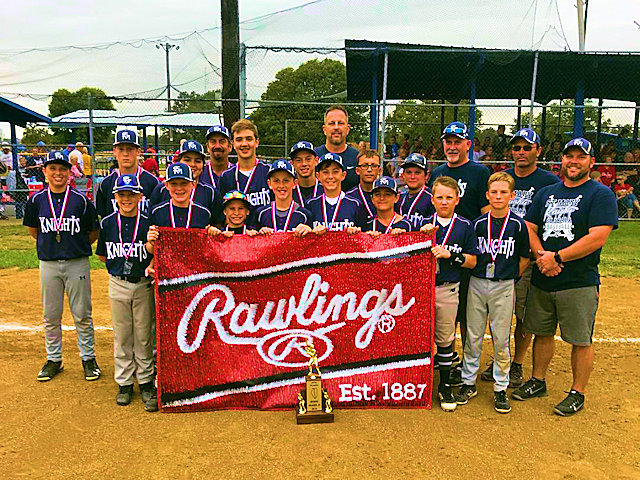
314 404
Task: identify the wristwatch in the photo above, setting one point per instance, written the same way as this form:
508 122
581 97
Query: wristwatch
557 258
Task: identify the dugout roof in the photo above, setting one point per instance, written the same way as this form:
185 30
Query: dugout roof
18 115
104 118
446 73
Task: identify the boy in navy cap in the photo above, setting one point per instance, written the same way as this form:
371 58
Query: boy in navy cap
126 152
64 224
503 241
304 160
192 153
218 143
368 170
236 209
121 246
385 220
415 204
333 210
283 215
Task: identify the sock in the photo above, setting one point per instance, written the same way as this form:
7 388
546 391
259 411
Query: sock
443 359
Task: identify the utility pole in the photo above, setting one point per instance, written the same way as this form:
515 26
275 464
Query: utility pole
230 61
167 48
582 24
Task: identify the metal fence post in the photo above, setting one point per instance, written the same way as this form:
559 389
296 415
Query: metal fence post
286 136
472 117
243 81
533 87
578 110
636 117
373 117
91 147
384 101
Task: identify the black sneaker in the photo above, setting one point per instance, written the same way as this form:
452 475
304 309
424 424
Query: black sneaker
455 377
145 391
151 405
466 392
447 400
487 375
515 375
91 369
125 393
50 370
570 405
531 388
501 402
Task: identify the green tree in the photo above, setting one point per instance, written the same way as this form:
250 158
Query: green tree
64 101
313 81
193 102
33 134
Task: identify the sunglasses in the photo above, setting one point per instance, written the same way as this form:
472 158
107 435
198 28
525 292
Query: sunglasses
526 148
368 166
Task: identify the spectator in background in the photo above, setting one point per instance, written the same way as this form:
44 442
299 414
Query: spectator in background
75 151
363 146
396 163
76 170
624 194
6 162
554 153
596 176
33 168
150 163
608 149
500 143
417 145
394 147
405 143
478 152
86 160
628 157
607 171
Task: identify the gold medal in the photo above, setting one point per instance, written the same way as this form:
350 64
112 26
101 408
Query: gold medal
58 237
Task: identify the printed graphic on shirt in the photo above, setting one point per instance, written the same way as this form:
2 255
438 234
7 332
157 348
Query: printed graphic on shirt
557 217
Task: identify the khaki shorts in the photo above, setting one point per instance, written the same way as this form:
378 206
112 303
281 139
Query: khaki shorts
522 290
573 309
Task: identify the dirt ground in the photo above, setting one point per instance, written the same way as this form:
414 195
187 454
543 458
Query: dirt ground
70 428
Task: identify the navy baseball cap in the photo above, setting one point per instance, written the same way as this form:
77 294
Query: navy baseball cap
127 182
191 146
385 182
57 157
330 157
281 165
41 143
415 160
236 195
221 129
126 136
302 145
526 134
179 171
458 129
582 143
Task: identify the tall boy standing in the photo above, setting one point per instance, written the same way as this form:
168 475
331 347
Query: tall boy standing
304 161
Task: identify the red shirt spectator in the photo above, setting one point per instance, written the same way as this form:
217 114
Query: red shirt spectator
150 163
608 171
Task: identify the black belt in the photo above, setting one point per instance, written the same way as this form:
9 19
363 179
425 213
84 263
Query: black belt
129 279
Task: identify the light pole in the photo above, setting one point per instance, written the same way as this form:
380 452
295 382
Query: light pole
167 47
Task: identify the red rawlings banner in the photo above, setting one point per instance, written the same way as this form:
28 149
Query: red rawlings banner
233 315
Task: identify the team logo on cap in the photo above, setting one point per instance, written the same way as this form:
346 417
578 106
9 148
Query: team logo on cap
191 145
521 133
384 181
58 156
126 180
177 169
300 145
577 142
281 164
328 156
125 136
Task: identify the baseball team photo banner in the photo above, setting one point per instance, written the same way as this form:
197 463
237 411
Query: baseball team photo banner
234 315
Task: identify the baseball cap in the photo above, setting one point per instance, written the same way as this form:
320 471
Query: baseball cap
582 143
221 129
127 182
385 182
415 160
526 134
72 146
330 157
179 170
57 157
281 165
190 146
235 195
458 129
5 145
301 145
126 136
41 143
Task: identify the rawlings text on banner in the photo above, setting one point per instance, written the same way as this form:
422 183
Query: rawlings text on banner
233 315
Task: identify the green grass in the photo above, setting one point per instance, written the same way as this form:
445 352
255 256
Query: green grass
619 257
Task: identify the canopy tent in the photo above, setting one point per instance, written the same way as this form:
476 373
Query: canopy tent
104 118
15 114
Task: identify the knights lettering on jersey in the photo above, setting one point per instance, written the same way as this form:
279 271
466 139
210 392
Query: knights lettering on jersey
417 208
337 216
253 184
120 250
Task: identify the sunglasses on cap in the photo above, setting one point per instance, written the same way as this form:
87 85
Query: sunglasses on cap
455 129
526 148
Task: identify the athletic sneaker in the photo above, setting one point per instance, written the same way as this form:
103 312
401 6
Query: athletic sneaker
531 388
125 392
447 400
570 405
455 377
151 405
145 391
487 375
466 392
501 402
515 375
91 369
50 370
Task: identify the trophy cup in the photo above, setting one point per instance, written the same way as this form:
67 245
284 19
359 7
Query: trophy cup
314 404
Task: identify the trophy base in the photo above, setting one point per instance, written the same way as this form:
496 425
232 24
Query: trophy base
314 417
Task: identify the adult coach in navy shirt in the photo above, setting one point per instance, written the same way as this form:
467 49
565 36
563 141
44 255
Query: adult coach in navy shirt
218 144
64 224
126 151
336 128
569 223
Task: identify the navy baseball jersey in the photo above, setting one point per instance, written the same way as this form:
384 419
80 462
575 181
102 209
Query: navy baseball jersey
457 236
364 197
375 224
64 221
564 215
526 188
349 160
501 245
285 220
416 208
122 241
254 185
203 194
208 176
472 180
346 212
302 195
168 215
106 202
